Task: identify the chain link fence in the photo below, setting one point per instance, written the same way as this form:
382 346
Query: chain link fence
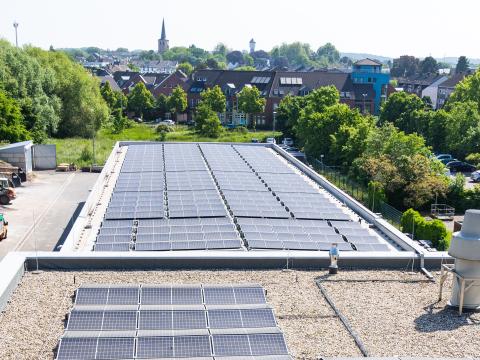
357 191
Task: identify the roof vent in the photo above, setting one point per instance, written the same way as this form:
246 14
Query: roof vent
465 248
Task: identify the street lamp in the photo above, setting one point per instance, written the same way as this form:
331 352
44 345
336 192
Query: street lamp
321 157
15 25
364 108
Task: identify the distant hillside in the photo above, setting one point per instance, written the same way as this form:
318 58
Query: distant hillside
359 56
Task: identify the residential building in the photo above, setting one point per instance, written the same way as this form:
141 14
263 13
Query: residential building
156 66
418 83
368 71
170 82
274 85
163 44
431 91
446 88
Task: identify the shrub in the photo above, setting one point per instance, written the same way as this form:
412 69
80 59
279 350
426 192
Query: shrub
241 129
162 128
474 159
433 230
86 155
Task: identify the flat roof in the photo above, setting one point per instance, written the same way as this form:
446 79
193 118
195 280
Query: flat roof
394 313
212 197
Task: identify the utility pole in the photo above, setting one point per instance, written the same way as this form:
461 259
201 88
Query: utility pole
15 25
274 118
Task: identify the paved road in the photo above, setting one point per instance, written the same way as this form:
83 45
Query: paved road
52 199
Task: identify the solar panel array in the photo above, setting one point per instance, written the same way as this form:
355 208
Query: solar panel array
171 321
182 188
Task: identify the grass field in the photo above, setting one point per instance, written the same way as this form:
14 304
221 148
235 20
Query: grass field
79 150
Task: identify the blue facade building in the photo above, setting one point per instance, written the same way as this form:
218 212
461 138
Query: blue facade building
368 71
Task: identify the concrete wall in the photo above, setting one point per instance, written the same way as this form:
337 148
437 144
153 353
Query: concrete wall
44 157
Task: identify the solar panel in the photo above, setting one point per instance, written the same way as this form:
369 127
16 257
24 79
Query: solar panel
115 348
173 346
77 348
249 345
171 322
171 295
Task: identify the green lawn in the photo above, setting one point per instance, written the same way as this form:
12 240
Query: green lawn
70 150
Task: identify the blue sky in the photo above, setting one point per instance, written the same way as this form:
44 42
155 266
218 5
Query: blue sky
418 27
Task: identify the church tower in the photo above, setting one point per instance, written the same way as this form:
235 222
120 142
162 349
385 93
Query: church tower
163 42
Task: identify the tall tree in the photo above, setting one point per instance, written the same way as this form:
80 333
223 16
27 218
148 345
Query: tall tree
329 52
428 66
402 165
467 90
250 102
140 100
462 64
206 121
402 110
11 125
108 95
215 99
186 68
177 102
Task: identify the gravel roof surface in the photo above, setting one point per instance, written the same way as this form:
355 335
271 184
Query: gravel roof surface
392 315
33 321
397 314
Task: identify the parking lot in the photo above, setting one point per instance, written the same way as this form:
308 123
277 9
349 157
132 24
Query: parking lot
41 213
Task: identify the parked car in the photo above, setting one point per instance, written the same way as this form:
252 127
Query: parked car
138 120
444 156
167 122
446 161
460 166
271 140
287 141
475 176
255 141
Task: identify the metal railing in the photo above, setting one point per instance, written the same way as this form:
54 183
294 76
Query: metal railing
442 211
358 191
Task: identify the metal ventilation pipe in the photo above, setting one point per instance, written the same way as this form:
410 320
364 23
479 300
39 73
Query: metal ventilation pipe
465 248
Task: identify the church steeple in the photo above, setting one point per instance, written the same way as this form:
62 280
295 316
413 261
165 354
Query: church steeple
164 35
163 42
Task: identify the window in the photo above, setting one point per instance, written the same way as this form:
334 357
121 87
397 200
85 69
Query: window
275 91
347 94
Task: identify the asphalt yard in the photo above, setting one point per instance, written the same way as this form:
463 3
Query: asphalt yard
43 209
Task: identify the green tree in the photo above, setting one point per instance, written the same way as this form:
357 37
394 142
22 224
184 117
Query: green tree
403 165
250 102
288 113
245 68
119 122
161 105
404 111
428 66
331 129
463 129
297 54
467 90
11 125
329 52
215 99
186 68
206 121
140 100
177 102
108 95
462 65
